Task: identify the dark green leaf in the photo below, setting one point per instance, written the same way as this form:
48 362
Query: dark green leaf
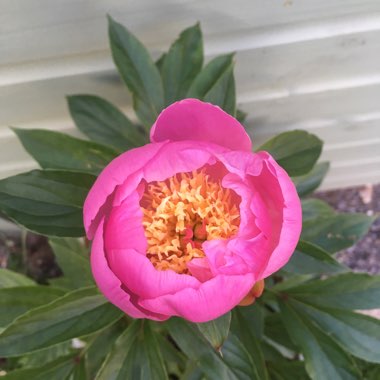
296 151
55 150
215 84
357 333
76 314
307 183
10 279
135 355
216 331
309 258
73 258
324 358
238 358
138 71
46 202
58 369
336 232
287 370
253 316
247 336
189 339
315 208
182 63
346 291
276 332
104 123
241 115
101 345
16 301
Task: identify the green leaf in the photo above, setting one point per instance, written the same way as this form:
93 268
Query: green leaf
76 314
336 232
182 63
47 355
195 346
307 183
216 84
357 333
309 258
135 355
58 369
324 358
102 122
46 202
287 370
216 331
100 346
241 115
55 150
73 258
277 333
238 358
16 301
243 330
138 71
345 291
296 151
10 279
315 208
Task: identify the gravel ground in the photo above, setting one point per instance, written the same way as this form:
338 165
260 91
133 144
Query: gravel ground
365 255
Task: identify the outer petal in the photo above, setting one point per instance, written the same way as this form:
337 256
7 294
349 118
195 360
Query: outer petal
292 219
109 284
139 275
97 202
211 300
191 119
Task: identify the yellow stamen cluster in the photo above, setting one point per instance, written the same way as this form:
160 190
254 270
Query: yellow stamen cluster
182 212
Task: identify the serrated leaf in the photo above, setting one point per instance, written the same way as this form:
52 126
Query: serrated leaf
56 150
16 301
138 72
324 358
216 84
308 258
102 122
74 261
135 355
46 202
296 151
345 291
181 64
10 279
76 314
336 232
307 183
216 331
357 333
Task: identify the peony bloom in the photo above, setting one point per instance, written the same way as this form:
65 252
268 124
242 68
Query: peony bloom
188 224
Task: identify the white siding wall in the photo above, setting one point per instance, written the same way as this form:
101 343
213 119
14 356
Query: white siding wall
312 64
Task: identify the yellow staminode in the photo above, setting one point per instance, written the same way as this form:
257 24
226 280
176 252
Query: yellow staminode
181 213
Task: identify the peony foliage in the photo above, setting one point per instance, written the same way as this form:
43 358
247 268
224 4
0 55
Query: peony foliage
307 324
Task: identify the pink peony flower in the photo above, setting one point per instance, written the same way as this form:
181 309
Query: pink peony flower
188 224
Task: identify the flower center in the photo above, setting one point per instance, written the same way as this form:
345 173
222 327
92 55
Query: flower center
179 214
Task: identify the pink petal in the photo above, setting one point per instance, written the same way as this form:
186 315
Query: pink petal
124 229
292 219
98 202
109 284
191 119
138 274
211 300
